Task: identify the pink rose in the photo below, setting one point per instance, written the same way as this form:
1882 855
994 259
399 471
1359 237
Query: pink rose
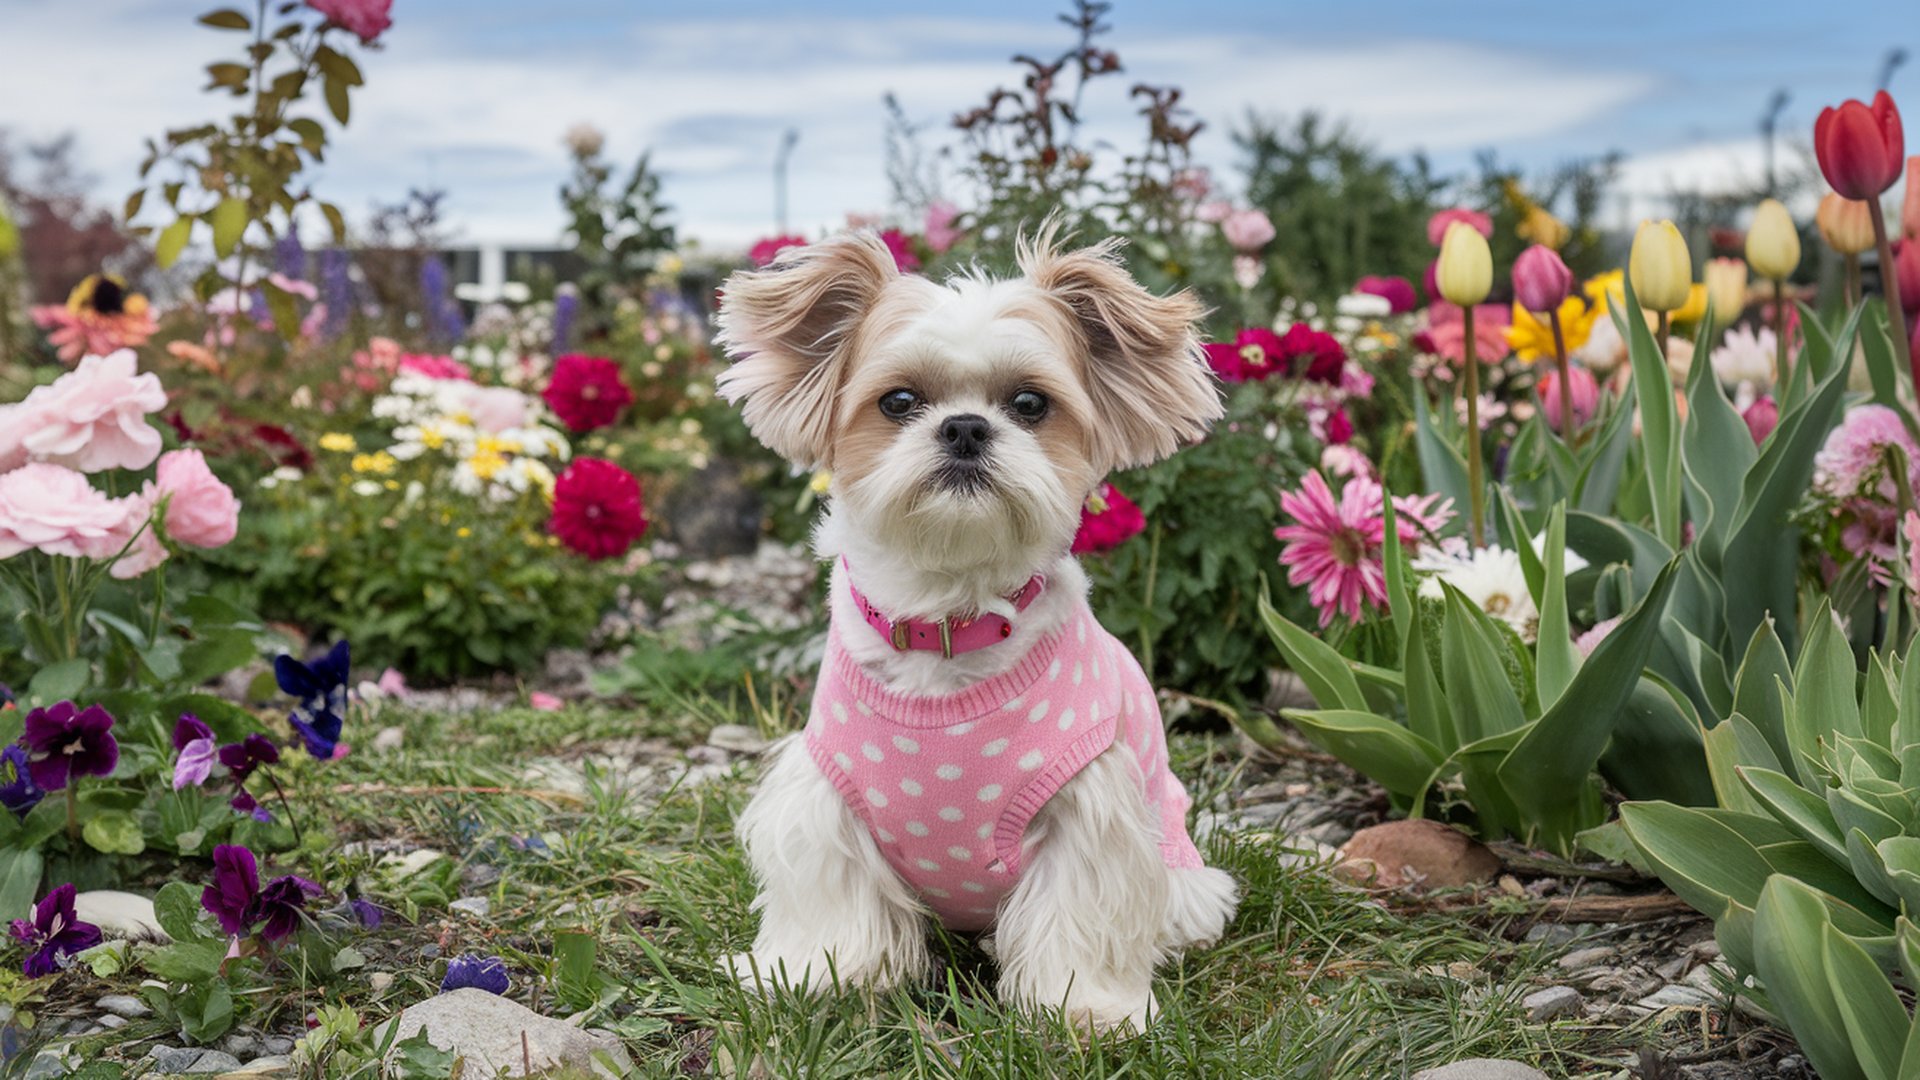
54 509
1247 230
366 18
92 418
939 232
495 409
138 529
201 510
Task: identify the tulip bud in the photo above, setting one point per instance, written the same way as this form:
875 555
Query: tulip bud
1906 271
1860 147
1540 279
1586 396
1910 207
1845 224
1659 267
1726 289
1762 417
1773 244
1465 269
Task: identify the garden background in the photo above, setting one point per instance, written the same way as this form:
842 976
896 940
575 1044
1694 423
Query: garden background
395 616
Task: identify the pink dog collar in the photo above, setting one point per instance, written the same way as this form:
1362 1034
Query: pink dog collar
949 636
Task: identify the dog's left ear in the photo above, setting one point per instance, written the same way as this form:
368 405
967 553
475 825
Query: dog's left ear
1152 391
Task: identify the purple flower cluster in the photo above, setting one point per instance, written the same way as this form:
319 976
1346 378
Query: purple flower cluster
55 933
487 973
194 741
244 907
446 324
566 307
336 291
64 742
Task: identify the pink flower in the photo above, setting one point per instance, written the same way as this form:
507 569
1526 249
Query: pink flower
541 701
201 511
763 253
495 409
1586 396
1446 332
1855 455
904 258
1910 530
54 509
1437 224
1335 546
1396 291
1762 417
939 229
92 418
1540 279
436 367
367 19
1254 353
1213 212
1591 640
1247 231
138 536
1108 520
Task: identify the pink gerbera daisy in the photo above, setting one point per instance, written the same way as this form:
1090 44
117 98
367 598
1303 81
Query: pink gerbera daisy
1334 549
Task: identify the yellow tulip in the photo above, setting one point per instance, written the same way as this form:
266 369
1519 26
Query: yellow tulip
1659 266
1465 273
1845 224
1773 244
1727 288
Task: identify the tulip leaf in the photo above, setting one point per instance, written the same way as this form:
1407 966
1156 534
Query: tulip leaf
1797 808
1429 713
1789 952
1706 857
1876 348
1520 542
1723 745
1327 674
1472 665
1757 688
1557 659
1718 453
1393 562
1386 752
1602 540
1599 483
1659 423
1441 462
1657 749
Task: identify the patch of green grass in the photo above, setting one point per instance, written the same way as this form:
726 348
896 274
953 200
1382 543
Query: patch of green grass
1313 979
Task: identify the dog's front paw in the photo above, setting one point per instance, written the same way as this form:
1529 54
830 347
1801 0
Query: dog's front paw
1111 1013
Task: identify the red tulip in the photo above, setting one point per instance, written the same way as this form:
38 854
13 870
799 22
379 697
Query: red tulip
1861 148
1540 279
1906 270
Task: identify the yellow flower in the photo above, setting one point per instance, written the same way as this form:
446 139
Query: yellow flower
432 437
338 442
463 532
486 464
494 446
1465 272
1532 337
381 463
821 481
1727 286
1606 291
1773 243
1659 266
1540 226
1695 308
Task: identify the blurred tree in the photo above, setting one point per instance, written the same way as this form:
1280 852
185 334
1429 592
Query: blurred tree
63 235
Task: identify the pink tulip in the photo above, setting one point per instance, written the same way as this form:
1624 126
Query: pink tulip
1762 417
1540 279
1586 396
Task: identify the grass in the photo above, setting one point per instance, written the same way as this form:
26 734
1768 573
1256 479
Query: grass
1312 980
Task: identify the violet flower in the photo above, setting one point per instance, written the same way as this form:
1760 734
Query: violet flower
18 792
64 741
243 757
54 934
237 900
194 741
322 690
370 914
487 973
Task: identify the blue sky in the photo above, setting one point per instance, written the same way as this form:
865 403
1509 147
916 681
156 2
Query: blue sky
475 95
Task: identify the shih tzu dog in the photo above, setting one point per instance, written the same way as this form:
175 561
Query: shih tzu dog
980 751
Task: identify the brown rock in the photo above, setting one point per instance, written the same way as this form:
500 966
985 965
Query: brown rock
1416 852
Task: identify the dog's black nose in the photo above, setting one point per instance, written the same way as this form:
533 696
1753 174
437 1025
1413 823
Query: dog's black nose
966 435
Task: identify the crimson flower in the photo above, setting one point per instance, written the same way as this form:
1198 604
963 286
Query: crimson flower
240 904
904 258
763 253
1108 520
1396 291
1254 353
597 509
55 933
1861 147
1312 354
366 19
64 741
586 392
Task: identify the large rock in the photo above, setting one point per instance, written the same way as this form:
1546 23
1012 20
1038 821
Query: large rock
499 1037
1482 1069
713 513
120 914
1421 852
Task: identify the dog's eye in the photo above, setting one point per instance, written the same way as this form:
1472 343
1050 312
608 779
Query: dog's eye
1028 405
899 404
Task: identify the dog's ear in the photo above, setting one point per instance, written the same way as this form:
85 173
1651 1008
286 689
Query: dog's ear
787 328
1151 389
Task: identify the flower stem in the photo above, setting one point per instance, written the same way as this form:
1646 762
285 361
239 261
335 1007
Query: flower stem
1476 496
1781 364
1853 280
1665 330
1569 426
285 806
73 810
1890 288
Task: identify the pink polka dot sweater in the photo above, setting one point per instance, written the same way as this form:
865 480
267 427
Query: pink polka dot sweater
948 785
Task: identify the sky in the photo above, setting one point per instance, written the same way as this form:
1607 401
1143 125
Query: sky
475 96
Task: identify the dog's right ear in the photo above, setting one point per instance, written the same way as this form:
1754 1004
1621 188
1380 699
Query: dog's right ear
787 328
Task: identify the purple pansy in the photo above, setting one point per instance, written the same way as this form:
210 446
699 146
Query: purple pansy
190 729
18 792
64 741
370 914
244 802
248 754
194 741
238 901
322 689
487 973
54 934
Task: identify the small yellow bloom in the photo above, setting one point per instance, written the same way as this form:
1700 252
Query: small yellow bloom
1727 288
1465 272
1773 243
821 481
1659 266
338 442
432 437
381 463
1541 227
486 464
1606 291
463 532
1532 336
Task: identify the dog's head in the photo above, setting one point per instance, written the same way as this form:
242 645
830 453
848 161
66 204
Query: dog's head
964 423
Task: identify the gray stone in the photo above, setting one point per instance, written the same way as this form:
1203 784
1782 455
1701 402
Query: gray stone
1482 1069
498 1036
476 906
47 1064
1552 933
1551 1003
738 738
1581 959
241 1045
713 513
278 1065
112 1022
277 1046
1678 996
192 1061
124 1005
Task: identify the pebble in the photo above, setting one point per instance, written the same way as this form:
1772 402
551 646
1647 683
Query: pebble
1553 933
47 1064
1580 959
1551 1003
737 738
379 981
389 739
476 906
277 1045
112 1022
1678 996
124 1005
119 914
276 1065
241 1046
192 1061
1482 1069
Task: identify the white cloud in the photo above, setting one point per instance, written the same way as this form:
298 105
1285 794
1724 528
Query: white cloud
711 98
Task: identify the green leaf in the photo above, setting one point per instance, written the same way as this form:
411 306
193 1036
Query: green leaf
114 832
574 952
226 19
172 241
229 221
1599 483
1558 660
1798 809
176 907
335 92
1790 950
1472 666
20 870
1325 672
336 65
286 314
1659 425
1824 681
1520 541
185 962
1441 464
1385 752
1757 688
335 220
59 682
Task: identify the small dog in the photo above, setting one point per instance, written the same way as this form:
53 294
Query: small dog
980 750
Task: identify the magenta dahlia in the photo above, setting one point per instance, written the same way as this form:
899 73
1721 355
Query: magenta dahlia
597 509
587 392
